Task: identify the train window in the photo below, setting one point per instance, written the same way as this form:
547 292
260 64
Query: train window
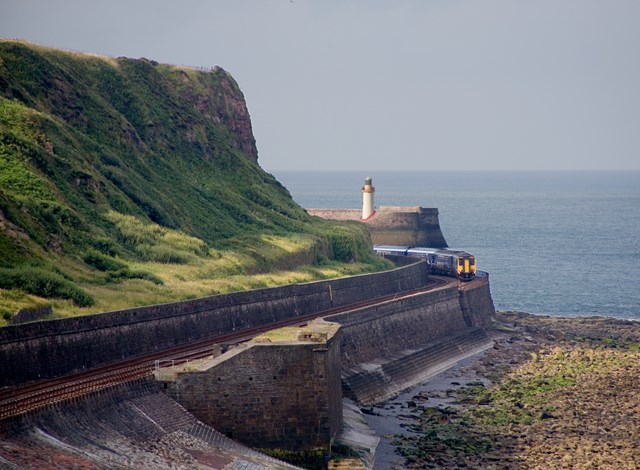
460 261
473 261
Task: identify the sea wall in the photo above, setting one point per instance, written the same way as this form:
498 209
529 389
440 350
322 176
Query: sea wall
390 347
476 301
47 349
383 330
395 225
288 394
282 395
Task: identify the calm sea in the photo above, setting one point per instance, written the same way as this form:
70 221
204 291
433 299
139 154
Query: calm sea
558 243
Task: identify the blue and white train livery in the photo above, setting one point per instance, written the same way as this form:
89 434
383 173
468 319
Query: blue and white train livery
458 264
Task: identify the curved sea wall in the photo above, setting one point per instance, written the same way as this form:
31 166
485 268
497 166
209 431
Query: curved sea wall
390 347
383 330
48 349
286 392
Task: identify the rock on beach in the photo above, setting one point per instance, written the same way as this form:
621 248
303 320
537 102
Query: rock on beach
555 392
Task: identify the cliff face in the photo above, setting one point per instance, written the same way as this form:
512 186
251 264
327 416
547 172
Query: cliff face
222 102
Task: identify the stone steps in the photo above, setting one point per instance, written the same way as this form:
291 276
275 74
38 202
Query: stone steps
382 378
166 413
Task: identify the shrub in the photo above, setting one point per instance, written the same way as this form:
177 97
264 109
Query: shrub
43 283
105 246
163 254
127 274
342 247
103 262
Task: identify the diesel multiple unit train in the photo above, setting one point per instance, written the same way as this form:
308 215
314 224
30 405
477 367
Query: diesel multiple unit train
458 264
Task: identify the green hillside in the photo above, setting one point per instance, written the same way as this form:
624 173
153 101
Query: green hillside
126 182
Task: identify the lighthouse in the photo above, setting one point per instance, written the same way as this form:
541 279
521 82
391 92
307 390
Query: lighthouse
367 199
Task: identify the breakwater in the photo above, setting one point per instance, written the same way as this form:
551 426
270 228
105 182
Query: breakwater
395 225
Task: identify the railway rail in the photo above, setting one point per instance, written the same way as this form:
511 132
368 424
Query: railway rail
16 401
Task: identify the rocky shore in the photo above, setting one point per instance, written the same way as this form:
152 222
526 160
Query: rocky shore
554 392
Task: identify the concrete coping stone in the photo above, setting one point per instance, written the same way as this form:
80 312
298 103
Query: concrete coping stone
316 331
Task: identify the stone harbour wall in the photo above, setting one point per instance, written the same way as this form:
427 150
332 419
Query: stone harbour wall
391 225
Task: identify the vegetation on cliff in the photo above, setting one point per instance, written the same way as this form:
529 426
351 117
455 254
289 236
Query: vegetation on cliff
126 182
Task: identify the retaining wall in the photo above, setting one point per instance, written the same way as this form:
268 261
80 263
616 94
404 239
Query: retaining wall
282 395
51 348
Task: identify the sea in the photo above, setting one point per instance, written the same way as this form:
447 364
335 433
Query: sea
556 243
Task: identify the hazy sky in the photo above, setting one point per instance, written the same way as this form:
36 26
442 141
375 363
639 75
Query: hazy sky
378 85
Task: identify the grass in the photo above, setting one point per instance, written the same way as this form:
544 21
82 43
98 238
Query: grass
527 394
43 283
200 278
14 300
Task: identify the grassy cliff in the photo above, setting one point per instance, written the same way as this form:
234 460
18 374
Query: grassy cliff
126 182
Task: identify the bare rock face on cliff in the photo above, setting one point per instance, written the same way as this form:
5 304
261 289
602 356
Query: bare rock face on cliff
232 108
222 102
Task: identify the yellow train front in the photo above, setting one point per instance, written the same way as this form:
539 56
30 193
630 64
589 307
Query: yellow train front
466 266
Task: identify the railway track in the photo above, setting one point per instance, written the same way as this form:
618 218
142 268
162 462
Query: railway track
16 401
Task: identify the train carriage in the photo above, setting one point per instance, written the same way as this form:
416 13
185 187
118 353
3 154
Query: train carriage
458 264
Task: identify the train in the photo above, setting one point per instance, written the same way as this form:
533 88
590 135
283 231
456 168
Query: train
454 263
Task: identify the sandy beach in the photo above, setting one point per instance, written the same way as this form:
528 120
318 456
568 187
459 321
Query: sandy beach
554 392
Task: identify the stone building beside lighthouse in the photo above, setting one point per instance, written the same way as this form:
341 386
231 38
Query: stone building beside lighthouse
391 225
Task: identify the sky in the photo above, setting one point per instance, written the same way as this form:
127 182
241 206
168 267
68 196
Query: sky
373 85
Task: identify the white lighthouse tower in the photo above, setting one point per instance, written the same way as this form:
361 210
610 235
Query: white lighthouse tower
367 199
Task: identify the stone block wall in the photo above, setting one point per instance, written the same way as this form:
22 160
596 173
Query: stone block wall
281 395
337 214
47 349
390 347
382 330
132 426
395 225
407 226
476 301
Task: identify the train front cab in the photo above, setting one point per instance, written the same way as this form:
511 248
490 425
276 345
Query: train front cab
466 267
